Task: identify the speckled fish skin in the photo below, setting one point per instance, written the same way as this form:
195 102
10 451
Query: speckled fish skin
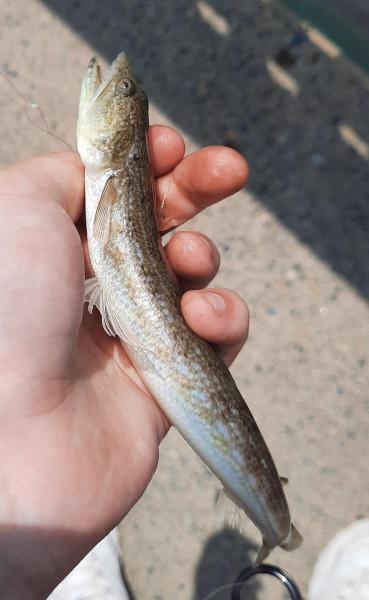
184 373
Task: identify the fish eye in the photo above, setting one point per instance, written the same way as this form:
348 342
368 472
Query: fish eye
125 86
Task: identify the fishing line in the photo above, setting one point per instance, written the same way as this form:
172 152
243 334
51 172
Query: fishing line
263 569
165 195
30 104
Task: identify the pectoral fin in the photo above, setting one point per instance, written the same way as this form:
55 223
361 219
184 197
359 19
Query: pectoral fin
113 323
102 220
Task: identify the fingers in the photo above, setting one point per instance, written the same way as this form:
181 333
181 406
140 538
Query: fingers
167 149
220 317
185 186
193 257
59 177
199 180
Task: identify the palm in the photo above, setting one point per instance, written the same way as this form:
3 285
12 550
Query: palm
78 428
90 411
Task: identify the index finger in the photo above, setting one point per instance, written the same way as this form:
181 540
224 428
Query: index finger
199 180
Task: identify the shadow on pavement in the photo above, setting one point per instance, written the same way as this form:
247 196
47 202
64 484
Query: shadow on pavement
223 558
305 165
218 88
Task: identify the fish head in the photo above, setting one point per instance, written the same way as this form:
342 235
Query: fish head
113 114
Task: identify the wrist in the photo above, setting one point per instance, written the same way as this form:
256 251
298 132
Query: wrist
27 564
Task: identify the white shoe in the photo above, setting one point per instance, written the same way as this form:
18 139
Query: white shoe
342 570
97 577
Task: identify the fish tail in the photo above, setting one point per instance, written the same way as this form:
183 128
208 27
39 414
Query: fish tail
293 540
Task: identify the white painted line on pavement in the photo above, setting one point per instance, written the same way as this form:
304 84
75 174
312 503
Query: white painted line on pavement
324 43
213 18
353 139
282 78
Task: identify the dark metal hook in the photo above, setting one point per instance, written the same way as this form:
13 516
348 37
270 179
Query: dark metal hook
289 583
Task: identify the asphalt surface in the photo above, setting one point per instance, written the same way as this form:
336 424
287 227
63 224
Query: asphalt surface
295 245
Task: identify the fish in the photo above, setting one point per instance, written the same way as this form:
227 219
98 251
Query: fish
139 301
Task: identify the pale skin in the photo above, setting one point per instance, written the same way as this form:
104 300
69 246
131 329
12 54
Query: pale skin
79 433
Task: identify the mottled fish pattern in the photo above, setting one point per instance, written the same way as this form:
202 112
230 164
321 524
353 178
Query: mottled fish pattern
140 302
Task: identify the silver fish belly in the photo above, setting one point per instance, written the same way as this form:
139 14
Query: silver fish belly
140 302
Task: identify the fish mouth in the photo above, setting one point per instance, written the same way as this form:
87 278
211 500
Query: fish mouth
96 83
97 90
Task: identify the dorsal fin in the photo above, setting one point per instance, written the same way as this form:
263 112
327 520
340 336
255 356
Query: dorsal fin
102 220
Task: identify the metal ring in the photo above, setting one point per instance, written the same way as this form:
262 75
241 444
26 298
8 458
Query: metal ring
288 581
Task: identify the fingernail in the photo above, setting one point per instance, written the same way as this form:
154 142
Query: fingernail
206 243
192 244
216 301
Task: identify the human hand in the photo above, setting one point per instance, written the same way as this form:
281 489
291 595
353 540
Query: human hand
79 433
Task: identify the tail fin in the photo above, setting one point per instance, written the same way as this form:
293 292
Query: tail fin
294 539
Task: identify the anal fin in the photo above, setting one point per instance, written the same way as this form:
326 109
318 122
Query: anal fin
229 510
263 553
